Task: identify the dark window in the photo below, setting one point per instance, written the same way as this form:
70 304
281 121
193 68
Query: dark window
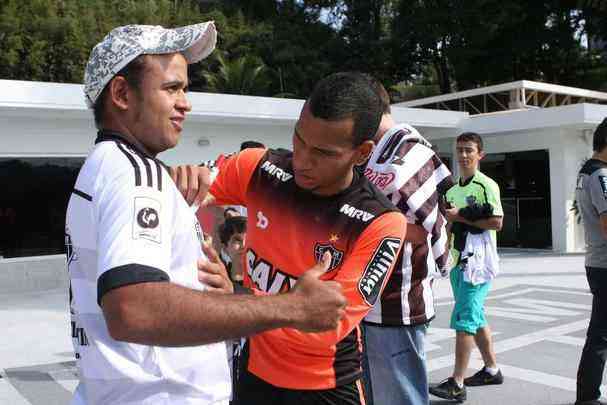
33 199
524 181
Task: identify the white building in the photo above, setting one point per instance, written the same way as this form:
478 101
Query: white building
529 129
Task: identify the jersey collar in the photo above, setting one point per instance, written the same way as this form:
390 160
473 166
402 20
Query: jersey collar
109 135
468 181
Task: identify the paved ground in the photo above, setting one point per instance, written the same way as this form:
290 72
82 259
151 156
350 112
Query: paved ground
538 309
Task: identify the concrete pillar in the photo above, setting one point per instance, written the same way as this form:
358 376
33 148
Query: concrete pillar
566 158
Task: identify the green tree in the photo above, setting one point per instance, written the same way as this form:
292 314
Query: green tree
244 75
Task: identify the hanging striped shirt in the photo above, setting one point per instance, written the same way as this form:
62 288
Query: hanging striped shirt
408 171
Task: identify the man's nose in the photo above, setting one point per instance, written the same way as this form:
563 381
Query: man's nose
183 103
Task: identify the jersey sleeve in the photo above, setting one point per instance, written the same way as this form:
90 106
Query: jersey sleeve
493 198
362 276
231 184
598 191
133 234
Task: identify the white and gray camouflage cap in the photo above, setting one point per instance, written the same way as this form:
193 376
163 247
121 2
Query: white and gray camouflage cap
123 44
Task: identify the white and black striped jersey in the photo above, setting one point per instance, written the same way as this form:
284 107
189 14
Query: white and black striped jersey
127 223
405 168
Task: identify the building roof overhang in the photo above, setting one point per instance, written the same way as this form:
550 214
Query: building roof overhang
66 101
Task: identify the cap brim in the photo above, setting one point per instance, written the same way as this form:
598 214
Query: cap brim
195 42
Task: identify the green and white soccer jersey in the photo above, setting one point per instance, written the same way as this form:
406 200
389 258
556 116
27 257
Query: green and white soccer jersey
478 189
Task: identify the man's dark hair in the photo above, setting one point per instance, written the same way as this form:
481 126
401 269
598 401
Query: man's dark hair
382 93
230 209
471 137
251 144
133 74
348 95
231 226
599 140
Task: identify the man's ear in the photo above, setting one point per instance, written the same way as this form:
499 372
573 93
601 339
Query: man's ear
363 152
119 93
481 154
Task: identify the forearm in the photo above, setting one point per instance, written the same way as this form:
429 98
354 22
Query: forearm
165 314
492 223
353 317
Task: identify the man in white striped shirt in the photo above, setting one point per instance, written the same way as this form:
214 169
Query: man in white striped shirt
405 168
134 245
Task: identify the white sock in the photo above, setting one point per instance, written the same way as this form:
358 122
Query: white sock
492 371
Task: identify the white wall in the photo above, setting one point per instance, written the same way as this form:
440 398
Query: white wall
223 139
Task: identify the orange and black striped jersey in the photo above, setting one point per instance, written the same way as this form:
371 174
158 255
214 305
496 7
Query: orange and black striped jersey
288 230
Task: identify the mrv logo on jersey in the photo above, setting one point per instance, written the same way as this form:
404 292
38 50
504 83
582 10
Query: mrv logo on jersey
146 224
276 171
375 273
355 213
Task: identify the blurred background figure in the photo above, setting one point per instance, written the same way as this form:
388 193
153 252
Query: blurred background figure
232 235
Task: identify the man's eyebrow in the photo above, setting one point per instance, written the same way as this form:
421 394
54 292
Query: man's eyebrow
298 135
174 83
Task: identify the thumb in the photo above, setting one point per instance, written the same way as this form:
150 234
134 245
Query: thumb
321 267
210 252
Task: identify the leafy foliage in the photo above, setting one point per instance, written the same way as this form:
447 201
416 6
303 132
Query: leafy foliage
283 47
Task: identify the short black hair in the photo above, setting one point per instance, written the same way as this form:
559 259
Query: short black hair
251 144
229 209
381 91
471 137
231 226
348 95
599 140
133 73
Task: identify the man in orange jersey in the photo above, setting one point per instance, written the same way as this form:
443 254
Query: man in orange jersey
302 204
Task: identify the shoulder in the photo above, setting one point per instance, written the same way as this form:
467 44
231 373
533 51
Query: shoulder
275 164
594 167
364 202
118 163
486 181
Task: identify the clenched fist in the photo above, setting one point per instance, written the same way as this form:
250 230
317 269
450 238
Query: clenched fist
321 304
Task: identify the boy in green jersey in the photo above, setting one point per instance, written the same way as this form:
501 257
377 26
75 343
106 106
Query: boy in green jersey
474 207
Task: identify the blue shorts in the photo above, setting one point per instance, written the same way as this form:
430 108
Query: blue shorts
468 313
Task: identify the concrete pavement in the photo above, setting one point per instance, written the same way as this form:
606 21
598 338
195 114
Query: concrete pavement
538 309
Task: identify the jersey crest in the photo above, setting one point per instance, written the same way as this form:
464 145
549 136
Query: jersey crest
336 254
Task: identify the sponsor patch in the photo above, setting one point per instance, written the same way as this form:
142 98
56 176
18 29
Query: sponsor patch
355 213
276 171
375 273
336 254
603 183
147 219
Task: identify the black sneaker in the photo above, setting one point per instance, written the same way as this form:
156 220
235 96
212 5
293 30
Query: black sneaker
449 389
483 377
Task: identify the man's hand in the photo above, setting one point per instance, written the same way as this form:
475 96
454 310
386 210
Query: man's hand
213 273
322 303
192 181
452 214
